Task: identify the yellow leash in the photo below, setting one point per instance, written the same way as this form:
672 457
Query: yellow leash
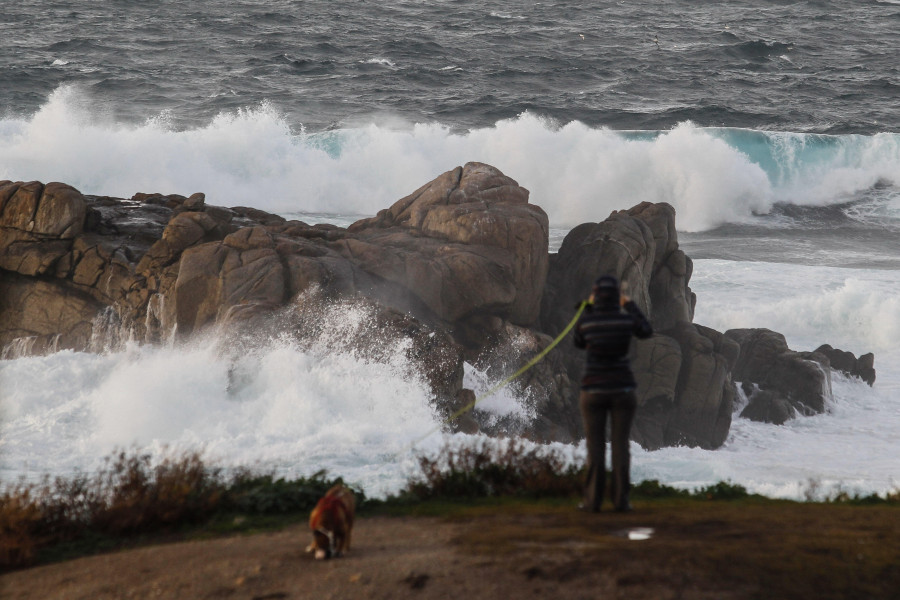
524 368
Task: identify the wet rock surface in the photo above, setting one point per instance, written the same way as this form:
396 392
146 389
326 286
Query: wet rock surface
459 268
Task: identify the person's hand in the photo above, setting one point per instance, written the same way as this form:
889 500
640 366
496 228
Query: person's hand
623 299
591 299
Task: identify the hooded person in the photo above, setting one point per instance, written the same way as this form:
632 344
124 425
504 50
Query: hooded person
605 330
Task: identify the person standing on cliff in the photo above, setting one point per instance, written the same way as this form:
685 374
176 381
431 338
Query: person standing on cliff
607 388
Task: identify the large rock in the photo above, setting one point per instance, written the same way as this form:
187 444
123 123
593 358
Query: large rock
38 316
671 297
848 364
244 269
766 406
705 399
55 210
466 245
37 225
464 255
461 249
622 246
801 380
685 393
657 363
458 270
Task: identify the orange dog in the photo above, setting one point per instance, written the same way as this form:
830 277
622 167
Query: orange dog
331 522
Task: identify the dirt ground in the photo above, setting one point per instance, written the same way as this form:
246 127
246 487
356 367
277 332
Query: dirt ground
535 552
407 557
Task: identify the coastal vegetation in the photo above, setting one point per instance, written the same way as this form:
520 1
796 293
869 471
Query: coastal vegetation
134 500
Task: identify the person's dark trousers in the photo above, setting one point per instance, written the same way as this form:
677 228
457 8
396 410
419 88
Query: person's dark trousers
595 407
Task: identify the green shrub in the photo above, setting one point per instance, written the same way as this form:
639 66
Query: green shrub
265 495
486 470
652 488
723 490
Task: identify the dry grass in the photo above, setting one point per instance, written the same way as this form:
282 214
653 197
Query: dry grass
132 495
486 470
128 496
841 545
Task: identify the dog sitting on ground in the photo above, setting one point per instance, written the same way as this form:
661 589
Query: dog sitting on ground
331 522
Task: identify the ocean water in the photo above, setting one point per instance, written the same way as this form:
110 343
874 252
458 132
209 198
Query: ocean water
771 127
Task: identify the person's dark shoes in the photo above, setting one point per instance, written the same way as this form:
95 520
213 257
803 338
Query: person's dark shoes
624 507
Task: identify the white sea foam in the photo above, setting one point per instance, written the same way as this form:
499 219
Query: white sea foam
280 407
296 413
853 309
299 408
502 403
386 62
850 448
503 15
575 172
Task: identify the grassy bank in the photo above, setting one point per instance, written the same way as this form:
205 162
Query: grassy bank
133 501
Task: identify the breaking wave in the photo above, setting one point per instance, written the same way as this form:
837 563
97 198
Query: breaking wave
575 172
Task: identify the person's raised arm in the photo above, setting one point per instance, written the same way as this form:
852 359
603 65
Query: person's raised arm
642 327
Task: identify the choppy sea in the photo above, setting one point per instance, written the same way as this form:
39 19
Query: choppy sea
772 127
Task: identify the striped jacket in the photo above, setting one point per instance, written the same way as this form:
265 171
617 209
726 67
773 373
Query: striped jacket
607 336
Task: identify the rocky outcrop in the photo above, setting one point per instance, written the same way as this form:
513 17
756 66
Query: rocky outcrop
778 381
685 392
38 316
468 246
766 406
848 364
458 270
465 254
38 224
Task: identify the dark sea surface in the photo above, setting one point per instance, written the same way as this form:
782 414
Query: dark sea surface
817 66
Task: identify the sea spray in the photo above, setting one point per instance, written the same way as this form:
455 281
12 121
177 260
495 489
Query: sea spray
508 409
853 309
288 404
252 157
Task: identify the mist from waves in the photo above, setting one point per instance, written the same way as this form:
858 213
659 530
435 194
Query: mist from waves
276 403
295 408
299 408
851 447
576 173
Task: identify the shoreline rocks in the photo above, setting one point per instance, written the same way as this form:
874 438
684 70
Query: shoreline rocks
779 382
848 364
459 268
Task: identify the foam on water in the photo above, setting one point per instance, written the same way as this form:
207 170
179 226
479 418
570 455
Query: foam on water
853 446
297 408
852 309
280 407
502 404
575 172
